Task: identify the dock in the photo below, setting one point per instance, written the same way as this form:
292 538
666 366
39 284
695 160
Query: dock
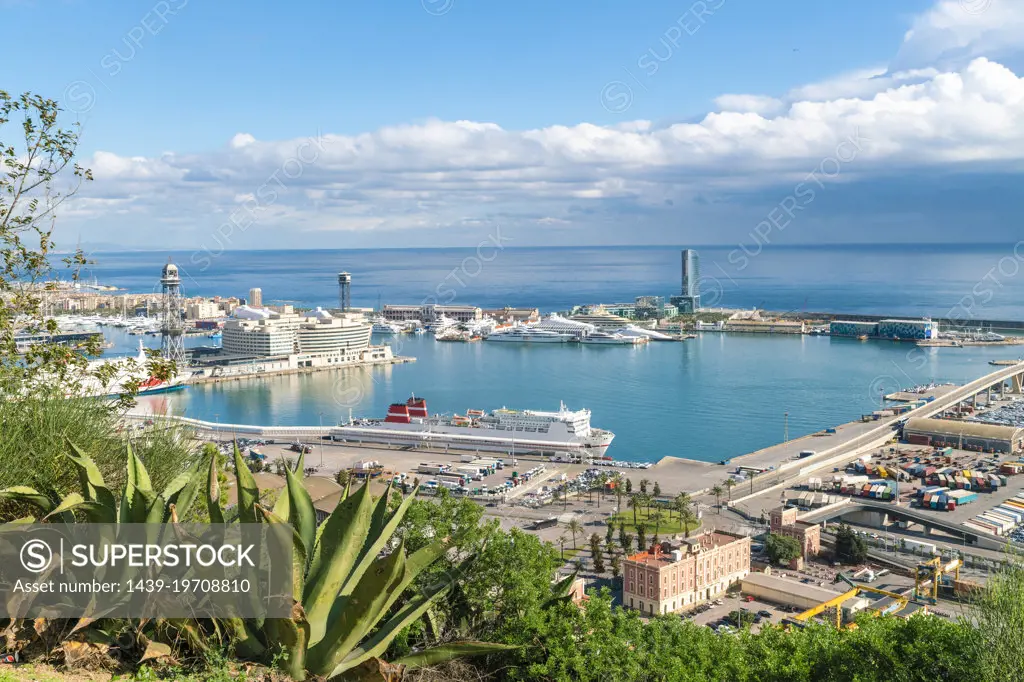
200 379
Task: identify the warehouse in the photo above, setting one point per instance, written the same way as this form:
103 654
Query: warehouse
964 435
786 592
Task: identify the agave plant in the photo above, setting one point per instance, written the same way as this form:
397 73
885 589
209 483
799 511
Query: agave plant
354 586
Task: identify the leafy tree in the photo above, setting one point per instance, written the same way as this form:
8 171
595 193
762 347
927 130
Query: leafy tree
624 540
629 486
656 490
643 485
782 549
999 614
609 533
616 562
850 547
596 554
343 476
641 537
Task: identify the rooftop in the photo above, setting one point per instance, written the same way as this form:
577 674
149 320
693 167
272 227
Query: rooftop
786 586
950 427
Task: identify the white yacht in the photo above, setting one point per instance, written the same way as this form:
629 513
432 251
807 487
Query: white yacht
562 325
529 335
613 338
649 334
382 326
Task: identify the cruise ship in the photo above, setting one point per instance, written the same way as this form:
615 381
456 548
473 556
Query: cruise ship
503 430
529 335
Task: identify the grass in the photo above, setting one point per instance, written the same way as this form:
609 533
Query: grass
667 527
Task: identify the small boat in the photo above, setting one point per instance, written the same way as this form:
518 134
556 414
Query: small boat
862 337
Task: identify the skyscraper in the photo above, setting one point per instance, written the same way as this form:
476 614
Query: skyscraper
344 291
689 299
255 298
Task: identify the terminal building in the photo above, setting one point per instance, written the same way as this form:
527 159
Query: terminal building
278 341
910 330
678 575
431 312
964 435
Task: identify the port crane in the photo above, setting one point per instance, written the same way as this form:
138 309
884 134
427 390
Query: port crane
928 577
898 602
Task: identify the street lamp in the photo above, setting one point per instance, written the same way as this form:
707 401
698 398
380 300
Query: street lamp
217 428
321 439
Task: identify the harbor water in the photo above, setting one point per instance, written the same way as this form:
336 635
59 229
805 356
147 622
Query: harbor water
709 398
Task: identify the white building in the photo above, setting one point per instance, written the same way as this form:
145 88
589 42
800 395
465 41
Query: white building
202 310
261 332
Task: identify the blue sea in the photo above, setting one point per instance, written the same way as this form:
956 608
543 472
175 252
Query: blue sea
710 398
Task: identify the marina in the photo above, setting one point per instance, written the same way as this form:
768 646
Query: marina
660 399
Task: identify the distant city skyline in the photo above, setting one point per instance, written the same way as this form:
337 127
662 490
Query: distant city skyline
850 122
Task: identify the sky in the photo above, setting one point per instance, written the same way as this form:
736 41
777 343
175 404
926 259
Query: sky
247 125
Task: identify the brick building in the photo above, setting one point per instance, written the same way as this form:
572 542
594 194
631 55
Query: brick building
680 574
783 521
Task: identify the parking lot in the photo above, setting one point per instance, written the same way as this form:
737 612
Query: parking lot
759 614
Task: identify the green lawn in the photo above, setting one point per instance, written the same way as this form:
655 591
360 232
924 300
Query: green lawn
668 526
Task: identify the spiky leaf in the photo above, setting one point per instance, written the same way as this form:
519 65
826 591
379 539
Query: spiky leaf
340 544
248 491
21 493
360 614
213 493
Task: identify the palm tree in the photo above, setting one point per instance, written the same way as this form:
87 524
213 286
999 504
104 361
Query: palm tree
619 494
688 518
681 502
657 517
718 491
561 545
574 528
635 501
729 485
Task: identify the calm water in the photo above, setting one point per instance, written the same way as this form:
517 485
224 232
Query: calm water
709 398
899 280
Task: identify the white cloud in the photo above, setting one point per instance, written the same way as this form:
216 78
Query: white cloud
458 174
954 32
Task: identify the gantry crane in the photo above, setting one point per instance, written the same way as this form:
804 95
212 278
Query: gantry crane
933 570
899 602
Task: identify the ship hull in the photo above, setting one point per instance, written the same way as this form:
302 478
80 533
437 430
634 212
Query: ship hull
468 438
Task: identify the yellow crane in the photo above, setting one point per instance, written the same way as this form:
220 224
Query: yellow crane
933 570
899 602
